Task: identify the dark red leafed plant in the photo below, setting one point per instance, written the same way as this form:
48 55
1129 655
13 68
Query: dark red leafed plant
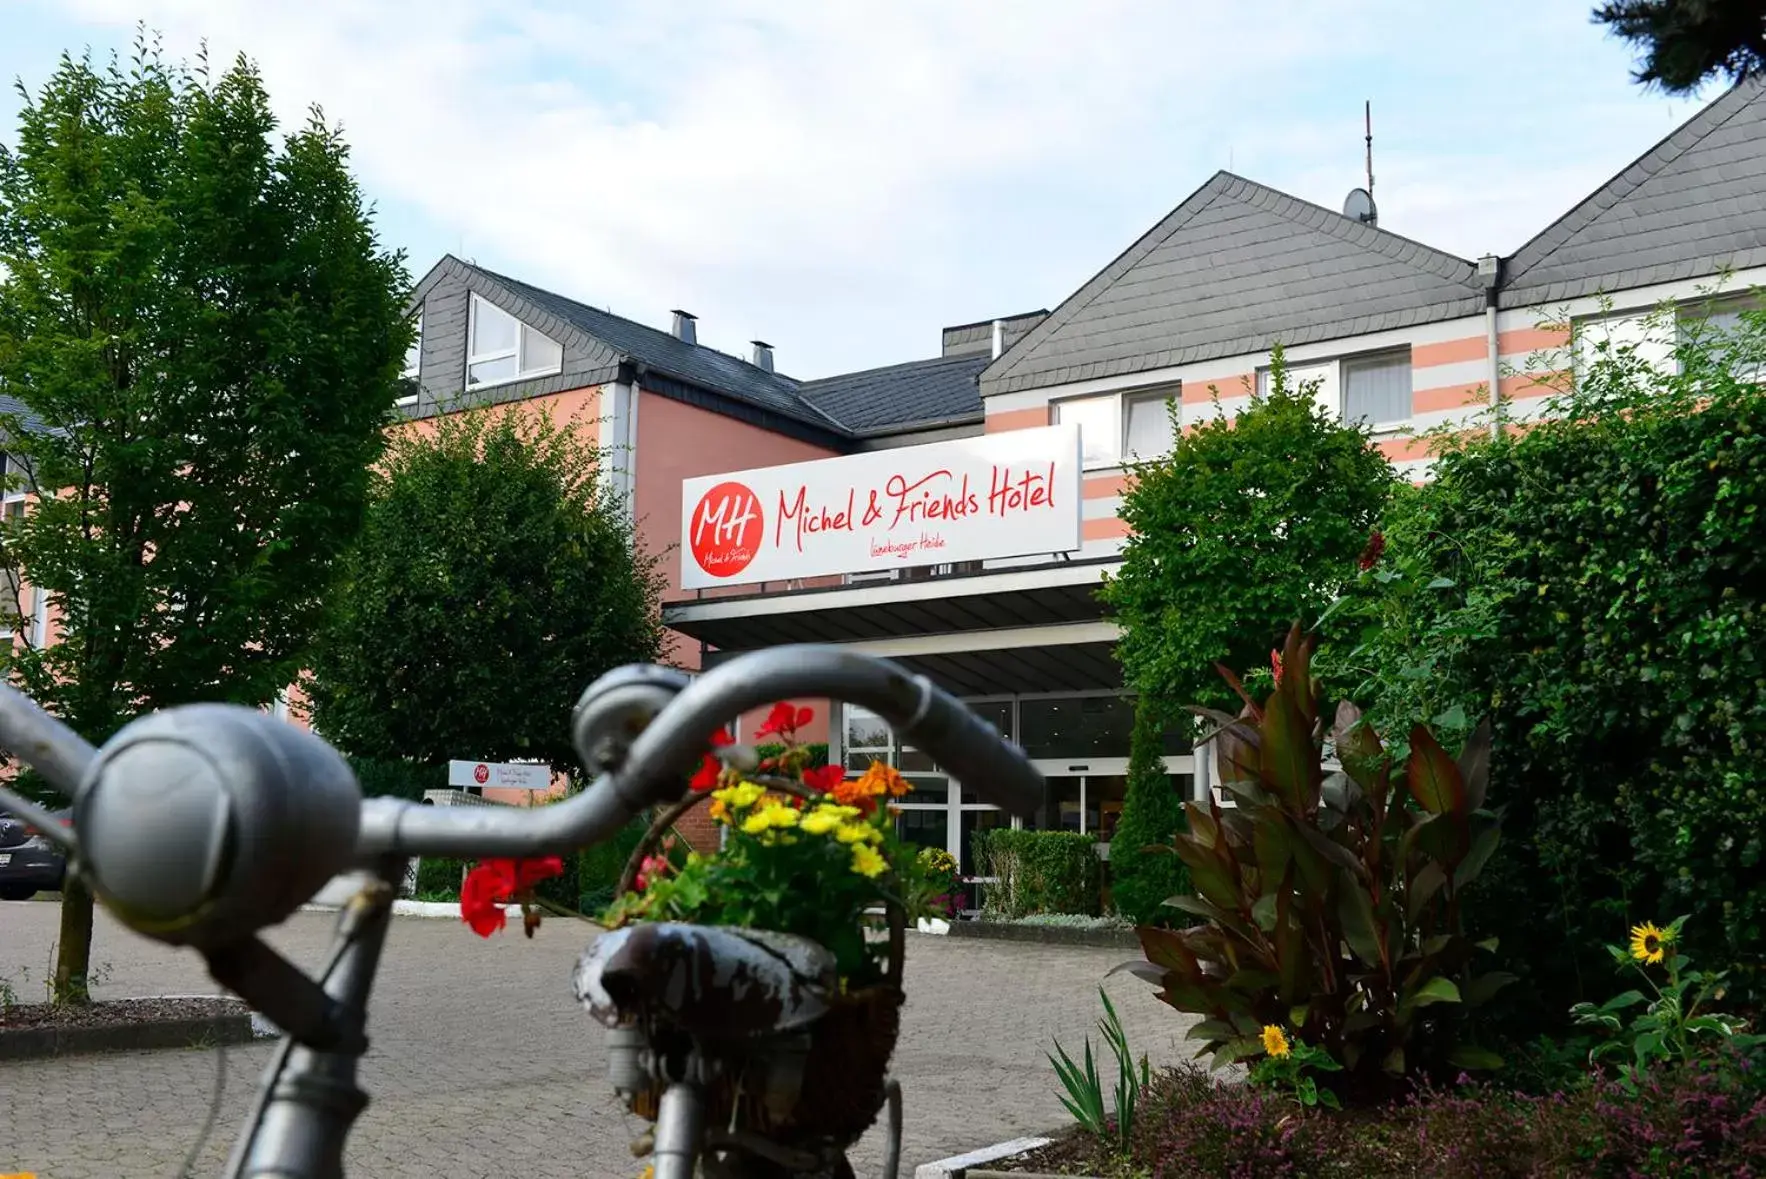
492 883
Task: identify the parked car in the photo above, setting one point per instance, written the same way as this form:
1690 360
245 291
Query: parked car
29 863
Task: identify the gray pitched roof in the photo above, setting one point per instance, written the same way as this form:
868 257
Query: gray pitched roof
920 393
967 338
1234 267
664 353
1693 205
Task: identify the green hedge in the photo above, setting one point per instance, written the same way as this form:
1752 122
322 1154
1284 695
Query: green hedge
817 752
1039 872
1152 816
397 779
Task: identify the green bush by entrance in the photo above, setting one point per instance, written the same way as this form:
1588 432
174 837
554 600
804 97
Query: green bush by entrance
1039 872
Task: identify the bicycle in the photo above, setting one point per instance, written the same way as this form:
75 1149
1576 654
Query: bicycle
203 824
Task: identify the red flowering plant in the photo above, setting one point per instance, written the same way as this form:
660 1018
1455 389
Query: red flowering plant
493 883
805 851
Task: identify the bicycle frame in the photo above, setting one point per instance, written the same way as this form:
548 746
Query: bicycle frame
205 781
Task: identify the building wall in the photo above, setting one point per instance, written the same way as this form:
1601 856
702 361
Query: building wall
1450 381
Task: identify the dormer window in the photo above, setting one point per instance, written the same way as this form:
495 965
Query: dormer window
500 348
413 363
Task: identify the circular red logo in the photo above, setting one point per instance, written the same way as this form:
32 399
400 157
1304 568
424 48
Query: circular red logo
481 774
725 529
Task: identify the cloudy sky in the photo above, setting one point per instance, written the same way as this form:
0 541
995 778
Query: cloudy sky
844 177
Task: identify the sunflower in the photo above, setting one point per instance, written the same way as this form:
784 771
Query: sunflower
1275 1041
1648 943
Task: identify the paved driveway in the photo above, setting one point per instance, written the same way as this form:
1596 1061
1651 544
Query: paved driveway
482 1065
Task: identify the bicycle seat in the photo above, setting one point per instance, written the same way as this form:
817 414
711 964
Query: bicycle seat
713 982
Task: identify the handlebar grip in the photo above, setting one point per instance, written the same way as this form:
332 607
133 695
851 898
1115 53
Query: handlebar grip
977 756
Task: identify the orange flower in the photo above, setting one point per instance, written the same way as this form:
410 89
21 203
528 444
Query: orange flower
883 779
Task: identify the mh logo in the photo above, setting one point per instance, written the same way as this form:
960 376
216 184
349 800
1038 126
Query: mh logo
726 529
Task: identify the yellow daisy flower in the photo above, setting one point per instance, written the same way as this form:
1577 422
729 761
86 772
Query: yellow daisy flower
819 822
866 861
1648 943
857 833
743 794
1275 1041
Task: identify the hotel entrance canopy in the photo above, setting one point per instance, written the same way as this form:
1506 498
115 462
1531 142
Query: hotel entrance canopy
1016 630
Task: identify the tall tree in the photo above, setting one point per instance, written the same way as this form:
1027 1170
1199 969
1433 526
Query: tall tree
493 580
1245 526
202 340
1684 42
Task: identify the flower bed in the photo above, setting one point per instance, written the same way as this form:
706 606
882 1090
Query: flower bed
1693 1122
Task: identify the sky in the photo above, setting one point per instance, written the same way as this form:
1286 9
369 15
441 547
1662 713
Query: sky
843 178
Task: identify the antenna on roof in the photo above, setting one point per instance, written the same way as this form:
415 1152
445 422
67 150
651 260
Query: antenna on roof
1359 204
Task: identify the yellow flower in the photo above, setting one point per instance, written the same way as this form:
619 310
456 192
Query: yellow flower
1648 942
1275 1042
836 810
857 833
775 814
866 861
743 794
719 812
648 1172
819 822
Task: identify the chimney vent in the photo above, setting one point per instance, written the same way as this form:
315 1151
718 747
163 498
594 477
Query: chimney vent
683 326
999 337
763 355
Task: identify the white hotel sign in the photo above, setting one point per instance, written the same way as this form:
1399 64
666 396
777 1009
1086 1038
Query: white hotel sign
1009 494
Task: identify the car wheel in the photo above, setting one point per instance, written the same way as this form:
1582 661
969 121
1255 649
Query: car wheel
16 892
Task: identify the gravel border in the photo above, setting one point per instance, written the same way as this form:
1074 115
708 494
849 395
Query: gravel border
38 1031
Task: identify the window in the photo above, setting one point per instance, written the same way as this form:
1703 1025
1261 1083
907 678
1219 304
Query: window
10 611
1376 389
1099 431
1147 429
1120 425
1320 378
413 363
14 482
501 348
1735 344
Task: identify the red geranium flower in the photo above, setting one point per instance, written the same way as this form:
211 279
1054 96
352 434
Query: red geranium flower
824 780
492 882
1370 556
784 720
711 767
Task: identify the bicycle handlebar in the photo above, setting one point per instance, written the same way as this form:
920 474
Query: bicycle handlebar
202 823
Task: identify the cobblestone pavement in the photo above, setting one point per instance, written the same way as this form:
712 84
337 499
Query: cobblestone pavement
482 1064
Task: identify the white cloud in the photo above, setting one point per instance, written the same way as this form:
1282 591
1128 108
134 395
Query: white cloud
843 178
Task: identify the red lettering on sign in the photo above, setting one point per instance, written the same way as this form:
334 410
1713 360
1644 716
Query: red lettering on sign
481 774
810 520
1023 493
725 530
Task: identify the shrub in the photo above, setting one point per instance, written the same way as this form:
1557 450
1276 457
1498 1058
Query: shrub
813 755
1331 903
1039 872
1152 816
385 778
1601 586
598 868
438 878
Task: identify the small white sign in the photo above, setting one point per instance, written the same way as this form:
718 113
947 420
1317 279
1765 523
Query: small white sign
502 775
1010 494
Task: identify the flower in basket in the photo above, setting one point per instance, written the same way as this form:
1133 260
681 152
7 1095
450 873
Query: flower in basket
943 886
805 851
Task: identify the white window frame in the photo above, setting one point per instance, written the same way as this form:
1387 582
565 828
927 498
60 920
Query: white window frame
11 495
1699 312
413 370
1118 404
1378 428
13 504
517 351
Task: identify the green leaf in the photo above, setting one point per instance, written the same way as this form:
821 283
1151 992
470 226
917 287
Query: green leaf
1481 989
1355 910
1263 912
1453 718
1483 845
1474 765
1474 1059
1287 760
1441 583
1423 888
1436 990
1431 776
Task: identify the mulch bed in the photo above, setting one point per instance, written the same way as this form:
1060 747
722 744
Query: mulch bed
31 1031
